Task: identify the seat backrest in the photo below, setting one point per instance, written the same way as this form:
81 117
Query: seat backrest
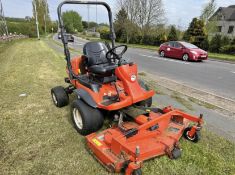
95 52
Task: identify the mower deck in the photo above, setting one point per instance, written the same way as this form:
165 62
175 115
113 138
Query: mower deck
149 136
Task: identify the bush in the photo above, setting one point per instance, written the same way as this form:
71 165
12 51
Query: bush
215 43
25 28
228 49
105 35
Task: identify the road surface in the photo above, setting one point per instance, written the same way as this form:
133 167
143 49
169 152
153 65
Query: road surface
211 76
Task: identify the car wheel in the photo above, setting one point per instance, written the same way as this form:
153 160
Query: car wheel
185 57
59 96
162 54
86 119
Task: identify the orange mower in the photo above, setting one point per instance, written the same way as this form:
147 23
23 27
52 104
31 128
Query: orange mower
106 84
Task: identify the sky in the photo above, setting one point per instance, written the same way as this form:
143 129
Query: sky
177 12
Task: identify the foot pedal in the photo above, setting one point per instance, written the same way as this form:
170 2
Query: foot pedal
67 80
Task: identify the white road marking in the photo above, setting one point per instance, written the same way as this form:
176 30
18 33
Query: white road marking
232 72
164 59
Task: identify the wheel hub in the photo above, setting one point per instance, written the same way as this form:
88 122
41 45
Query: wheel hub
77 118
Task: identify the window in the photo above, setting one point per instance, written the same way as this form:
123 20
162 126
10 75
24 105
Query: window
219 28
171 44
177 45
230 29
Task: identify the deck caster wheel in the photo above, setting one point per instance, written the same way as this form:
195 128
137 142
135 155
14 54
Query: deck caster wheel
137 172
86 119
59 96
176 153
195 138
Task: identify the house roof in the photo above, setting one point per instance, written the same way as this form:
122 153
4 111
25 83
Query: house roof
228 12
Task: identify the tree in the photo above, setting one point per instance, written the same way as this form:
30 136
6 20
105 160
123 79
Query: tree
207 16
120 25
142 15
196 33
173 34
208 10
43 14
72 21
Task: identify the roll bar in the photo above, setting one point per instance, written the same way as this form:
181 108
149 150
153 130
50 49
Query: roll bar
62 29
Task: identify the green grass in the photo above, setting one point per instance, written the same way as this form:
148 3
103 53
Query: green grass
201 103
182 101
38 138
221 56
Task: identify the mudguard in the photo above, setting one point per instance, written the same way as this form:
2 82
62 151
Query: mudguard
86 97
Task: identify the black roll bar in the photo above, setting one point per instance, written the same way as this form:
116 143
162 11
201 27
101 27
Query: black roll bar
61 26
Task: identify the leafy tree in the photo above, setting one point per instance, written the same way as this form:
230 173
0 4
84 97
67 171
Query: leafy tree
119 25
85 24
173 34
196 33
208 10
42 13
72 21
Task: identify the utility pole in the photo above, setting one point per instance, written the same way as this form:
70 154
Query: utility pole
45 17
96 18
36 18
3 24
88 9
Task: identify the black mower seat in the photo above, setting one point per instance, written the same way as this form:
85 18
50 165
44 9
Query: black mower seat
102 68
97 61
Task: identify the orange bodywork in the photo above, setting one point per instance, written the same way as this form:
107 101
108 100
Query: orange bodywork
130 91
158 134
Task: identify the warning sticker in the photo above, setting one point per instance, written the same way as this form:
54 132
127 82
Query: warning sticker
97 142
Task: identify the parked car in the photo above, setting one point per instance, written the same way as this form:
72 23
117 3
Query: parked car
182 50
69 37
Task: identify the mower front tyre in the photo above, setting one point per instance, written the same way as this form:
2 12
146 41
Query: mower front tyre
195 138
137 172
86 119
59 96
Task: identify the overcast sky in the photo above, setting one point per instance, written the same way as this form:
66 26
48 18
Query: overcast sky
177 12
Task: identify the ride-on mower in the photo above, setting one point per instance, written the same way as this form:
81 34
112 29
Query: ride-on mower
107 84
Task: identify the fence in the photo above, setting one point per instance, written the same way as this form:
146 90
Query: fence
11 37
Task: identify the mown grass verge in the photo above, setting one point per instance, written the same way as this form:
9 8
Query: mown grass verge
220 56
38 138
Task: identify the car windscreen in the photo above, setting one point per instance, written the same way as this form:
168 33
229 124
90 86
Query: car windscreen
188 45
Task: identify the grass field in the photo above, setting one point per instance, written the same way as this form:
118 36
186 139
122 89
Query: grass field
38 138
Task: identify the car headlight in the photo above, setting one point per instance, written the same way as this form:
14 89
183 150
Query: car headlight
194 52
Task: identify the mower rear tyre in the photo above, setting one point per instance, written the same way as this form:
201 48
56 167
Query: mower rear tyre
86 119
59 96
148 102
195 138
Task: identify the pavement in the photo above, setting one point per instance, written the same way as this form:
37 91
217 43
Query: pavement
211 76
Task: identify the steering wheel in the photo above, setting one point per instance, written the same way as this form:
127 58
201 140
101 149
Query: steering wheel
111 54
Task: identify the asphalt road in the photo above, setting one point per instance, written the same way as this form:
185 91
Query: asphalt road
211 76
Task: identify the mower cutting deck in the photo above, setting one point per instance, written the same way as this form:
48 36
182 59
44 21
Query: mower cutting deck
126 146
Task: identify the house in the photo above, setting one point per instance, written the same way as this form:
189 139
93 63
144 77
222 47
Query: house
225 19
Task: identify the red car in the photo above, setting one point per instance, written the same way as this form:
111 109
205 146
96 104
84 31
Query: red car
182 50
